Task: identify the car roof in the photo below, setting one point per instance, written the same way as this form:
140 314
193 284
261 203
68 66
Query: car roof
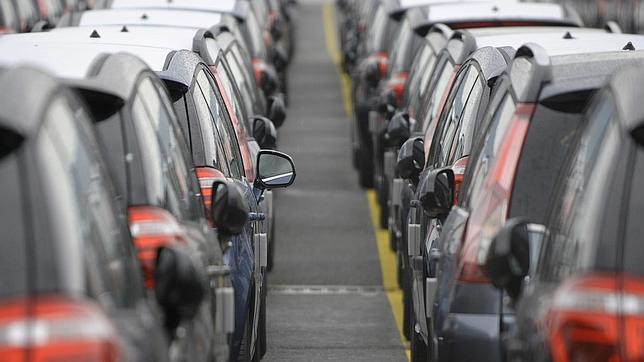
450 13
52 52
545 76
398 6
227 6
150 17
27 94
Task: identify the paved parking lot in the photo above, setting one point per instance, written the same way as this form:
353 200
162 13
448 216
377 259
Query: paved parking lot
326 299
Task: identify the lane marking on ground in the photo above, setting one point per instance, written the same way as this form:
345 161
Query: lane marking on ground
362 290
386 256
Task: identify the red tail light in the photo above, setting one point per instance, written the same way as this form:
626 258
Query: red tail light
383 62
151 228
459 168
258 68
56 329
206 176
397 84
586 315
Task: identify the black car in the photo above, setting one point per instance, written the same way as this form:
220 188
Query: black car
70 265
586 262
526 132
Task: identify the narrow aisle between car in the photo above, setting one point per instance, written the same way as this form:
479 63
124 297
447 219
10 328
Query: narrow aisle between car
326 300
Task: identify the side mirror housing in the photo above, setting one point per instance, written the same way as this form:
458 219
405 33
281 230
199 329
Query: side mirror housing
264 132
437 192
279 57
269 81
180 285
229 209
508 259
274 170
411 159
276 110
398 130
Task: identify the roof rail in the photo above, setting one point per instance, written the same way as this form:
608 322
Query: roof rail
460 45
527 78
199 45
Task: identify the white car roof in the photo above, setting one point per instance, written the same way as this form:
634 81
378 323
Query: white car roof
225 6
67 57
491 11
150 17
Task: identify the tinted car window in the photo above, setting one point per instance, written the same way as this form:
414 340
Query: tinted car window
499 125
578 208
399 55
440 86
548 142
13 248
240 113
227 135
417 70
452 115
83 210
242 84
214 152
633 247
172 174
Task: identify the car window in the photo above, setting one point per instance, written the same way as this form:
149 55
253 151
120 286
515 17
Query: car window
28 13
83 210
494 135
240 112
241 59
452 115
155 122
224 129
633 250
244 88
578 209
464 133
377 30
438 90
256 36
13 257
208 131
401 47
417 71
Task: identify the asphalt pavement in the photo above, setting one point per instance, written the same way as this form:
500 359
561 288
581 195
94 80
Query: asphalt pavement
326 301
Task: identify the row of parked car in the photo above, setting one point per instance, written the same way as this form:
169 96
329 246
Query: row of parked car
505 142
137 162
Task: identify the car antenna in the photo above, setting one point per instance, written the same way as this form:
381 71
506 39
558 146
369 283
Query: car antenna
124 29
144 16
95 34
568 35
629 46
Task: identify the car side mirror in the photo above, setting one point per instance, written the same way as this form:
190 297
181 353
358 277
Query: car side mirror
508 259
398 130
229 208
372 72
274 170
180 285
437 193
279 57
276 110
269 81
411 159
264 132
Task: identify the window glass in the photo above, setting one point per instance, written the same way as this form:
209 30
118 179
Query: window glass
240 113
437 92
462 142
417 69
452 115
377 29
84 214
574 225
179 178
228 137
242 85
495 133
208 131
633 250
401 47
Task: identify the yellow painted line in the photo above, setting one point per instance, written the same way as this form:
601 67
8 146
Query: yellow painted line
386 256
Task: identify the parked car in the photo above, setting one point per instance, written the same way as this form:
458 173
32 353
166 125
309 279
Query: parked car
527 130
82 285
578 279
9 21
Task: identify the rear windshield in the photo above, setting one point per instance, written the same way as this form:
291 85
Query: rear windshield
13 248
548 142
